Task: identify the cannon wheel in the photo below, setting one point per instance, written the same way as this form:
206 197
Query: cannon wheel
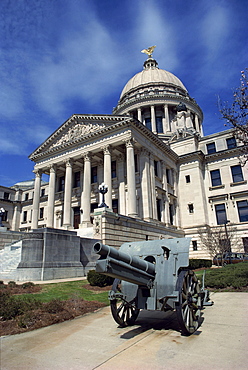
124 313
188 308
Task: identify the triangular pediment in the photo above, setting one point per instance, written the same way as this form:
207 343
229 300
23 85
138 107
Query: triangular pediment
76 129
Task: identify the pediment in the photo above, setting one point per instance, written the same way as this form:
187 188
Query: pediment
76 129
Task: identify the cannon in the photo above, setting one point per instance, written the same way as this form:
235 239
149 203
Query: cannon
152 275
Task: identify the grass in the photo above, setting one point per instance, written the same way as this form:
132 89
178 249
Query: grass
67 290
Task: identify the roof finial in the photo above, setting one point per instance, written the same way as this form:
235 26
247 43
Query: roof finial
148 51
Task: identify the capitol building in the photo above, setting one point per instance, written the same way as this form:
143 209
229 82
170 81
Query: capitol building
165 179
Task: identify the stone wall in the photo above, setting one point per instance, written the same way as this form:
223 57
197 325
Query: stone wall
114 229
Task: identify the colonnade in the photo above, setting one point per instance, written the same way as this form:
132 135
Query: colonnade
86 188
167 124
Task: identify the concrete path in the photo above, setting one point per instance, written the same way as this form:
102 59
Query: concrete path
95 342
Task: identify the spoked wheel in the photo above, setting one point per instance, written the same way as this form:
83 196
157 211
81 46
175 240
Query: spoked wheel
124 313
188 308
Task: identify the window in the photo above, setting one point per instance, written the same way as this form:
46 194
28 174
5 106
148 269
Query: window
42 192
211 148
41 213
5 216
231 143
25 214
237 174
62 183
93 175
159 125
148 123
159 209
26 196
6 196
194 243
191 208
187 178
115 205
215 177
243 210
169 176
220 211
136 163
77 179
113 169
171 213
156 168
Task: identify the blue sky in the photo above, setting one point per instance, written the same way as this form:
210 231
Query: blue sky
60 57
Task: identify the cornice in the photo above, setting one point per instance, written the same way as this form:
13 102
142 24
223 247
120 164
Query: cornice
226 153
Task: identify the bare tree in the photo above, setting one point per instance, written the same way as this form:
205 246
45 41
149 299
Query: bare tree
219 240
236 115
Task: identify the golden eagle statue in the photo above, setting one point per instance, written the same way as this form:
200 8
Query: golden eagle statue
148 51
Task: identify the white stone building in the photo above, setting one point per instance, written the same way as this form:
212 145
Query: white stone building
164 177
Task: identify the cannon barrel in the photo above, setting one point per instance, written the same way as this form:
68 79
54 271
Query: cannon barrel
123 266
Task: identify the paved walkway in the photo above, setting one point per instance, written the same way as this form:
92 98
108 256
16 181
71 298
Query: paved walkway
95 342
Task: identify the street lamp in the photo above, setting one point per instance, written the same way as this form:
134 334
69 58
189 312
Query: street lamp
103 189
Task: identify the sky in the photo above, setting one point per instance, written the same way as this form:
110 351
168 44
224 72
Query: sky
64 57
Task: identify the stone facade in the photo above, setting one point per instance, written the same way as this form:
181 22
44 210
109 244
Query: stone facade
165 179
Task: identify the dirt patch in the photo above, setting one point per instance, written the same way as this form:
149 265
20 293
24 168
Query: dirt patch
97 289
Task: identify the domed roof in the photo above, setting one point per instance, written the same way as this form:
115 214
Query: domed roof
152 74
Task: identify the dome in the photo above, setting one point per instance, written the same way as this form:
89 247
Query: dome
152 74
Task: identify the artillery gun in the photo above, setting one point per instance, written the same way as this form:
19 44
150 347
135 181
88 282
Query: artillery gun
152 275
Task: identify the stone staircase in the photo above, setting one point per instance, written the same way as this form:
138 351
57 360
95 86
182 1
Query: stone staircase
10 257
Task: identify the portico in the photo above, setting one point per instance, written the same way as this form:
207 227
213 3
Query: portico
124 161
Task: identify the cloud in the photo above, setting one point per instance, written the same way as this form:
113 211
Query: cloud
155 28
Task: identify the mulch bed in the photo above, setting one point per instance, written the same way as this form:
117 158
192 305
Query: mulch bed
48 314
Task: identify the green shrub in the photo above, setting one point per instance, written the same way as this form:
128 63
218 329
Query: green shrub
96 279
27 285
1 282
12 284
195 263
12 306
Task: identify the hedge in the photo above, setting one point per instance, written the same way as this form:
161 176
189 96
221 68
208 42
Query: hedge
199 263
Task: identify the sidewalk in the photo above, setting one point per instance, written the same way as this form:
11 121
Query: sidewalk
94 341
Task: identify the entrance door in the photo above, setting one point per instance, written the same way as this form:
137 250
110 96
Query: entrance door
76 218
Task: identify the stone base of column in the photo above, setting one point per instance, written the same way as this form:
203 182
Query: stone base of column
67 227
134 215
85 224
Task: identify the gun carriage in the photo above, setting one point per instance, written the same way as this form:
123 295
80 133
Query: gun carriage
152 275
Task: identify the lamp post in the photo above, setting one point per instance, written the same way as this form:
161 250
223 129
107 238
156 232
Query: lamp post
2 213
103 189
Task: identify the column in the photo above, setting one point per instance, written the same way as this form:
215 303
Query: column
131 183
166 120
145 185
67 195
36 200
121 180
139 115
153 119
51 197
166 200
189 122
85 198
107 176
153 193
